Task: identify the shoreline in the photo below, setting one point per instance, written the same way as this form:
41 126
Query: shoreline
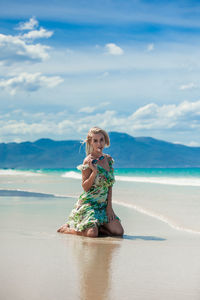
21 193
24 193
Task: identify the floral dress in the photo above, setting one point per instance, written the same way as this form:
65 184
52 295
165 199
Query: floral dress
90 209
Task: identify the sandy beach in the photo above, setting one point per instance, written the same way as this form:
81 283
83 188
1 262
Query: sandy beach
152 261
99 122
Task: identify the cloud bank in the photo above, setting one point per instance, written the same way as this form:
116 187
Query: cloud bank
152 119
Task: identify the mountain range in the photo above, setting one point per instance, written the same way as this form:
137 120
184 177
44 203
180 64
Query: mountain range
127 151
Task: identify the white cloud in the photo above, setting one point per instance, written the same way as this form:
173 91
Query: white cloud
35 34
91 109
29 82
150 47
31 24
13 48
185 116
188 86
113 49
87 109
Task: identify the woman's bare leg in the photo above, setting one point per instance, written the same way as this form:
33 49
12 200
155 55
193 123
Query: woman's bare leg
91 232
104 231
114 228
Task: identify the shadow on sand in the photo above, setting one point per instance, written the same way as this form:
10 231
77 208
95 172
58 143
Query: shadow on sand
135 237
143 237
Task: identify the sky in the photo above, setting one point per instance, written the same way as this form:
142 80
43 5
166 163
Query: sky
126 66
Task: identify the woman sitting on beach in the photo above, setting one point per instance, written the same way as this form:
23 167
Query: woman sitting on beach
93 213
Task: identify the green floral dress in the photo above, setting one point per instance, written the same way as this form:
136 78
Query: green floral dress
90 209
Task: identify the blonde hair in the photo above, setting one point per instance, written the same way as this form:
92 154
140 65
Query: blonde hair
95 130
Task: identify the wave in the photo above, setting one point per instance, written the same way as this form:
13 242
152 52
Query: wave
72 174
180 181
11 172
167 180
186 181
158 217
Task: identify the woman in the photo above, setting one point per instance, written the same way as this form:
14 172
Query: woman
93 213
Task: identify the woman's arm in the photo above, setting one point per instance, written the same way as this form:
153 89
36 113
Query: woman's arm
88 175
109 198
109 210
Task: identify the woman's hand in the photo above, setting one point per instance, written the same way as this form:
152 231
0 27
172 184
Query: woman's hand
89 174
92 166
110 213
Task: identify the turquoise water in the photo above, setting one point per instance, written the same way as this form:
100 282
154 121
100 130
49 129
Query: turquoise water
161 172
169 176
146 172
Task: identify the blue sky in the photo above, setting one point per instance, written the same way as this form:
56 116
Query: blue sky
128 66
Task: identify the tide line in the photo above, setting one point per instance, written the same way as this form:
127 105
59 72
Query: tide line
158 217
187 181
177 181
29 193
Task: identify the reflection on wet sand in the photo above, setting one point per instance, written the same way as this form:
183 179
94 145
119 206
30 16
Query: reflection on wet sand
94 262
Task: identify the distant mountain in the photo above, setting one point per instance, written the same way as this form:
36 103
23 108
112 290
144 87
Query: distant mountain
146 152
127 151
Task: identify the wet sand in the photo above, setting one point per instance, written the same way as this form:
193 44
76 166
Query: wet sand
152 261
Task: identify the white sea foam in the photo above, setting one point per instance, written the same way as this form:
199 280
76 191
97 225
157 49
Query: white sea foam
159 217
186 181
72 174
180 181
11 172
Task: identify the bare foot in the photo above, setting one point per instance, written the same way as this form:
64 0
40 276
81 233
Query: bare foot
89 232
64 229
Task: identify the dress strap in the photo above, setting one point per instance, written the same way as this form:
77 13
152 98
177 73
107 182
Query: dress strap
112 160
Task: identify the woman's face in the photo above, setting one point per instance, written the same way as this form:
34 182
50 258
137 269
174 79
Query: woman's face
98 142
